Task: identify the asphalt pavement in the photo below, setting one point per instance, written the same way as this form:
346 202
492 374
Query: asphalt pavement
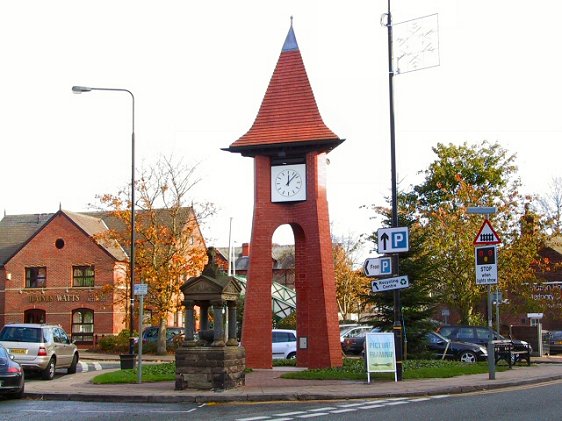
267 385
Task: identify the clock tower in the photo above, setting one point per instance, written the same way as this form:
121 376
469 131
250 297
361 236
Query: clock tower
289 142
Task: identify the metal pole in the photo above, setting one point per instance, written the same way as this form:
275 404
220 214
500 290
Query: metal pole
141 316
491 353
82 89
397 325
498 310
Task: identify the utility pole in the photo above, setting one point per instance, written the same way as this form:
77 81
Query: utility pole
397 326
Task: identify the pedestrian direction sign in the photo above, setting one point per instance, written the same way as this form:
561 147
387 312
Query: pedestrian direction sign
380 266
393 240
486 235
390 283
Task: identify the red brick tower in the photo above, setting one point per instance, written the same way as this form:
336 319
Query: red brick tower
289 142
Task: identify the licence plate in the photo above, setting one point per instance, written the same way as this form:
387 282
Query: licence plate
18 350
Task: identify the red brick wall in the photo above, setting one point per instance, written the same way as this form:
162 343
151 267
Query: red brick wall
314 272
59 298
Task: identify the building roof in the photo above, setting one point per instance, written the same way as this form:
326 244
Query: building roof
288 118
17 230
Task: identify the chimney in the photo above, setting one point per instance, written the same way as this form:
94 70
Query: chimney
245 249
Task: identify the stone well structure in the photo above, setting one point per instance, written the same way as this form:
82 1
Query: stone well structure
214 360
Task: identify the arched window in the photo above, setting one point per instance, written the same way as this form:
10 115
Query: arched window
83 325
34 316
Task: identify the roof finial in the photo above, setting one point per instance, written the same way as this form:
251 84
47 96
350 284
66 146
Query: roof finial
290 42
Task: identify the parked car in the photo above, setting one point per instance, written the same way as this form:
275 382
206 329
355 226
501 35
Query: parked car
40 347
479 335
12 382
354 341
173 333
352 331
455 350
555 341
284 343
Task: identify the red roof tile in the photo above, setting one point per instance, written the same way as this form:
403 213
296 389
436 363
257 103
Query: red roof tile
288 113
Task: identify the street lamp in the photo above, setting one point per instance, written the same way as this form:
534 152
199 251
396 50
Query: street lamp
79 90
487 211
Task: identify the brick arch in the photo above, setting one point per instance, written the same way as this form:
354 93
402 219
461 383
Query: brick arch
317 321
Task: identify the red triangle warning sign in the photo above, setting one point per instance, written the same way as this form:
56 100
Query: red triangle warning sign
486 235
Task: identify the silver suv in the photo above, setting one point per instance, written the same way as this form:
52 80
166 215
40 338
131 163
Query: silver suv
40 347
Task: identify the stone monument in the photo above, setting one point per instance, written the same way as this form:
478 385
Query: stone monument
214 360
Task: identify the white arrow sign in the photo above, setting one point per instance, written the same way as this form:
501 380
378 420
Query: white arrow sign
377 266
390 283
393 240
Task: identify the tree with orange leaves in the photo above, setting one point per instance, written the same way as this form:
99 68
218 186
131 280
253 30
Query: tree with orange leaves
169 245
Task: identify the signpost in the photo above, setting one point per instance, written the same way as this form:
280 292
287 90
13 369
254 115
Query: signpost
388 284
379 266
485 256
141 290
393 240
486 235
486 265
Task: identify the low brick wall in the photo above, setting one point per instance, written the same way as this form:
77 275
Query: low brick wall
207 367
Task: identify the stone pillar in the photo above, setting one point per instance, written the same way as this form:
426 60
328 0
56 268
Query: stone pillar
189 322
204 322
231 339
218 335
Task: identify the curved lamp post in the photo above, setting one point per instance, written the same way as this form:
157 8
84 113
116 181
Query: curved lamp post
79 90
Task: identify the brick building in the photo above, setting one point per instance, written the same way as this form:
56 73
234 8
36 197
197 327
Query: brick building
54 269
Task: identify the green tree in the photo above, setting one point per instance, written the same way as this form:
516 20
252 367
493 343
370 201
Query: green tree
419 300
464 176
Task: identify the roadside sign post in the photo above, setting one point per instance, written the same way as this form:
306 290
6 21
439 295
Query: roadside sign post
393 240
141 290
388 284
486 260
379 266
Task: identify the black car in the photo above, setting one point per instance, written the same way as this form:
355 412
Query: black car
555 341
455 350
11 375
354 342
479 335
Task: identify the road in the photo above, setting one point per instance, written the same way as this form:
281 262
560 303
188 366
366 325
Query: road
537 402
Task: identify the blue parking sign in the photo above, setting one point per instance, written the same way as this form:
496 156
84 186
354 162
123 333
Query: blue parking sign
393 240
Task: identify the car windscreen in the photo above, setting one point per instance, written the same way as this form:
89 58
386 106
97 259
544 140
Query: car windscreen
20 334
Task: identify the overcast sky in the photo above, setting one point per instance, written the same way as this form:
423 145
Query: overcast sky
199 71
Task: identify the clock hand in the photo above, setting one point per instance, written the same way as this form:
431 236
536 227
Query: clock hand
288 180
292 178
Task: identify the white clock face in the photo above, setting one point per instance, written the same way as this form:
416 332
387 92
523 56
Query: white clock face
288 183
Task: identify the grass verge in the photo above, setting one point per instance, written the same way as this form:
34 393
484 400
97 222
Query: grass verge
352 369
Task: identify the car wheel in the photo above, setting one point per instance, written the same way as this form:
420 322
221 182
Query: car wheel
72 368
19 393
49 372
468 357
292 355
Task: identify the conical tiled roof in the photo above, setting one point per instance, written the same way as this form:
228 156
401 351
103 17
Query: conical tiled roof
288 116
